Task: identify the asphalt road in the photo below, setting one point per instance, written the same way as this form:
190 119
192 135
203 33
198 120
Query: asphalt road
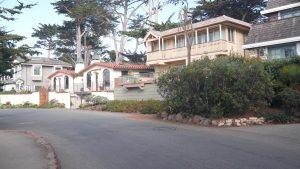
96 140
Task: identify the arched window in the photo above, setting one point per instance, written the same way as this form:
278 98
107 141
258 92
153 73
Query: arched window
54 84
106 78
66 82
89 80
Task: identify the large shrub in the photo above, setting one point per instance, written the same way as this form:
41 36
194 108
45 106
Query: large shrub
284 73
95 100
222 87
133 106
289 100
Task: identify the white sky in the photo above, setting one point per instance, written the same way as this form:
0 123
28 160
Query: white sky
44 13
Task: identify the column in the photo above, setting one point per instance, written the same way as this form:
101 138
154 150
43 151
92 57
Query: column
207 34
159 44
196 37
163 44
175 41
220 28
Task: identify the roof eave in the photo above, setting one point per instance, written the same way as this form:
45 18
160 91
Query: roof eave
270 43
281 8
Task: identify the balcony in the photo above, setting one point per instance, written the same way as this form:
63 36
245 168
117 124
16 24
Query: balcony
198 50
137 81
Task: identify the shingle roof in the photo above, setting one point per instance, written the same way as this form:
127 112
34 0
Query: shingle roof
116 66
278 3
47 61
274 30
64 72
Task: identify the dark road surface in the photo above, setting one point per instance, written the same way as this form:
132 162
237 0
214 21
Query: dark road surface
97 140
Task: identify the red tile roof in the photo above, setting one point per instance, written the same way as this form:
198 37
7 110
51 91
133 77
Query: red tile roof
65 72
116 66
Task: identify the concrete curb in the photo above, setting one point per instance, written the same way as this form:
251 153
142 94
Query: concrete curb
53 162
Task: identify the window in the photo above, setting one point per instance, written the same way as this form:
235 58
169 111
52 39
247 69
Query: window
214 35
154 46
37 88
202 37
289 13
124 73
89 80
165 44
54 84
180 41
282 51
260 52
37 70
230 34
66 82
106 78
57 68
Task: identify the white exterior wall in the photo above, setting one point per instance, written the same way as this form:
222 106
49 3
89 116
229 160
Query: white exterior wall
113 74
9 87
62 79
61 98
33 98
108 95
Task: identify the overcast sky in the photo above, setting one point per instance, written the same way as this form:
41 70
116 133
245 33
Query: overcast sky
44 13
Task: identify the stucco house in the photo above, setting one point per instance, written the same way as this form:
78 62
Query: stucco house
97 77
213 37
33 74
279 36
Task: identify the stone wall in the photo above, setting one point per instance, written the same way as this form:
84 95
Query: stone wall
198 120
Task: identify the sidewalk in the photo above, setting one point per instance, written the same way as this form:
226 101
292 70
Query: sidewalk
23 150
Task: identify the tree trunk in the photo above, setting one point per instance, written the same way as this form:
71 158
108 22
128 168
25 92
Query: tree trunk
115 45
188 55
78 44
136 45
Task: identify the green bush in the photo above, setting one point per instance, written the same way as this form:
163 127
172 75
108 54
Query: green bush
289 100
95 100
8 105
222 87
132 106
284 73
290 74
279 118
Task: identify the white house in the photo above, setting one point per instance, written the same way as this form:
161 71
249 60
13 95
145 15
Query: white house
97 77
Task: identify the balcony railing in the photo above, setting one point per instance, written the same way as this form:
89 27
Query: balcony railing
197 49
139 78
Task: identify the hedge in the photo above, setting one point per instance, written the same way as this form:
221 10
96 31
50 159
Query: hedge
132 106
222 87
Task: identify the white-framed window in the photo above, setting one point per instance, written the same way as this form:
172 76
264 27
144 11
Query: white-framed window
231 34
37 70
289 13
154 46
180 41
202 37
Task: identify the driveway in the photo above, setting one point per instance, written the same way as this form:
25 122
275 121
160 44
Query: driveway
98 140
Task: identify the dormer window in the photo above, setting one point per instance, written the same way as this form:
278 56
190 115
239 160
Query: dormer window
37 70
